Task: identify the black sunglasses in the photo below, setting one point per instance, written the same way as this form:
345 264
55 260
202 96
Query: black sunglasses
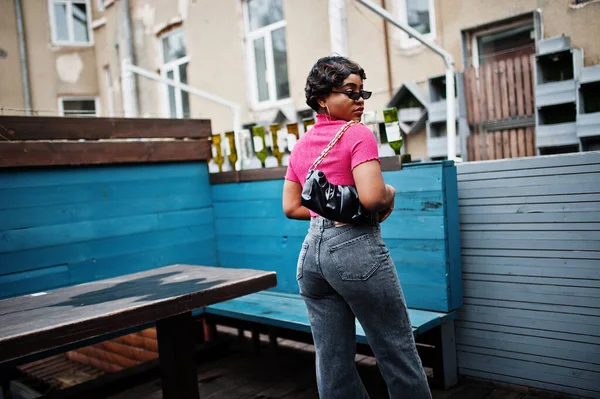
355 95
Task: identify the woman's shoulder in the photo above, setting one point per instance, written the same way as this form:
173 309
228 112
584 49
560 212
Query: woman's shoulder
358 131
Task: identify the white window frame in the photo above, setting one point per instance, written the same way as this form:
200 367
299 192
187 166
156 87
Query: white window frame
61 108
404 39
70 29
172 66
264 32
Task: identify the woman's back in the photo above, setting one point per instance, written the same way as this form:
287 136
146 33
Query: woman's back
357 145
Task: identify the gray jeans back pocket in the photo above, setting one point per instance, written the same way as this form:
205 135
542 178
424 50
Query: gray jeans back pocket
355 259
301 258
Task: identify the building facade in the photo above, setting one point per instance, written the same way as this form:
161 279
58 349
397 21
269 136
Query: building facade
68 58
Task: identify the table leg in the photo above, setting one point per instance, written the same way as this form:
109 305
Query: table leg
177 357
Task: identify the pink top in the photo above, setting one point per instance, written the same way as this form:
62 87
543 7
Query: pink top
357 145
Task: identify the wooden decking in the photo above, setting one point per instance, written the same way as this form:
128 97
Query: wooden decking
288 372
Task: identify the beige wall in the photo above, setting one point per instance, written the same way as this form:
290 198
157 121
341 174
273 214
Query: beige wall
453 16
53 70
11 89
217 65
214 33
106 40
215 40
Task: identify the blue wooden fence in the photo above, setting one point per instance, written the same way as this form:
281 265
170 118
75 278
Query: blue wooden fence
62 226
253 232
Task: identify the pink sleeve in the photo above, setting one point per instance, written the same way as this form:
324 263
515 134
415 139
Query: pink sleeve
290 174
363 147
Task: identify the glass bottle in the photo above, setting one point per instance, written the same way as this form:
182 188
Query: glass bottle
260 146
392 129
230 149
277 152
217 151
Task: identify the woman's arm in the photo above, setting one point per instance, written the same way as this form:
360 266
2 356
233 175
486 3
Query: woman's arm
292 206
374 194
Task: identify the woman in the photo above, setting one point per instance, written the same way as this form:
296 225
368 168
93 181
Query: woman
345 271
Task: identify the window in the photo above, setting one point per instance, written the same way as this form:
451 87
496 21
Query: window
78 106
419 15
175 63
509 43
70 22
266 41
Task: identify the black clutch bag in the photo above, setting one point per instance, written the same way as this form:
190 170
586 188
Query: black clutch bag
331 201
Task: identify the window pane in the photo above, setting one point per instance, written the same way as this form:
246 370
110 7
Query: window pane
417 14
280 62
264 12
79 107
80 27
260 60
60 22
185 97
173 46
172 104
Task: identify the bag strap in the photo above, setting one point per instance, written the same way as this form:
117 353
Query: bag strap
331 144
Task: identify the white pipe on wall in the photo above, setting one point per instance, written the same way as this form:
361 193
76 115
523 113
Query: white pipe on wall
233 107
338 27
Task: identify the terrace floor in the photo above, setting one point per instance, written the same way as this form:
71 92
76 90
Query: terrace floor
230 367
240 371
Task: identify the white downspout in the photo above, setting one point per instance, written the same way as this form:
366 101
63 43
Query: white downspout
448 61
23 54
129 89
338 27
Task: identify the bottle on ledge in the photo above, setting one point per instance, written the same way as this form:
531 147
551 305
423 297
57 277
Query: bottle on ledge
293 135
392 129
217 151
260 146
278 152
230 149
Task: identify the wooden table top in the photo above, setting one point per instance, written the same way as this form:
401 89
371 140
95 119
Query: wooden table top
47 320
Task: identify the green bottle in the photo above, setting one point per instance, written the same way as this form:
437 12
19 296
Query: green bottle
230 149
293 135
392 129
308 122
260 146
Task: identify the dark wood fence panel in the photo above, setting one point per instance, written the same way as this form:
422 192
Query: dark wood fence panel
513 143
62 128
51 141
500 90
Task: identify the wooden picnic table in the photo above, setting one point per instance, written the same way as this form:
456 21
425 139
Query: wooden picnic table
50 320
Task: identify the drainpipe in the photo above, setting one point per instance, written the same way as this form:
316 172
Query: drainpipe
388 61
130 104
23 54
338 27
448 61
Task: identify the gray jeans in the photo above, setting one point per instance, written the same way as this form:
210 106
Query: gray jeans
347 272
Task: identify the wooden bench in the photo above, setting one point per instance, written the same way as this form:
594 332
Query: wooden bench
44 323
422 235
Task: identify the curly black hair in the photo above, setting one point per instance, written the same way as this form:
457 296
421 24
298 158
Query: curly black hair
328 73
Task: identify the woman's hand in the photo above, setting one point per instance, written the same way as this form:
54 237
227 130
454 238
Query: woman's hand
391 192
